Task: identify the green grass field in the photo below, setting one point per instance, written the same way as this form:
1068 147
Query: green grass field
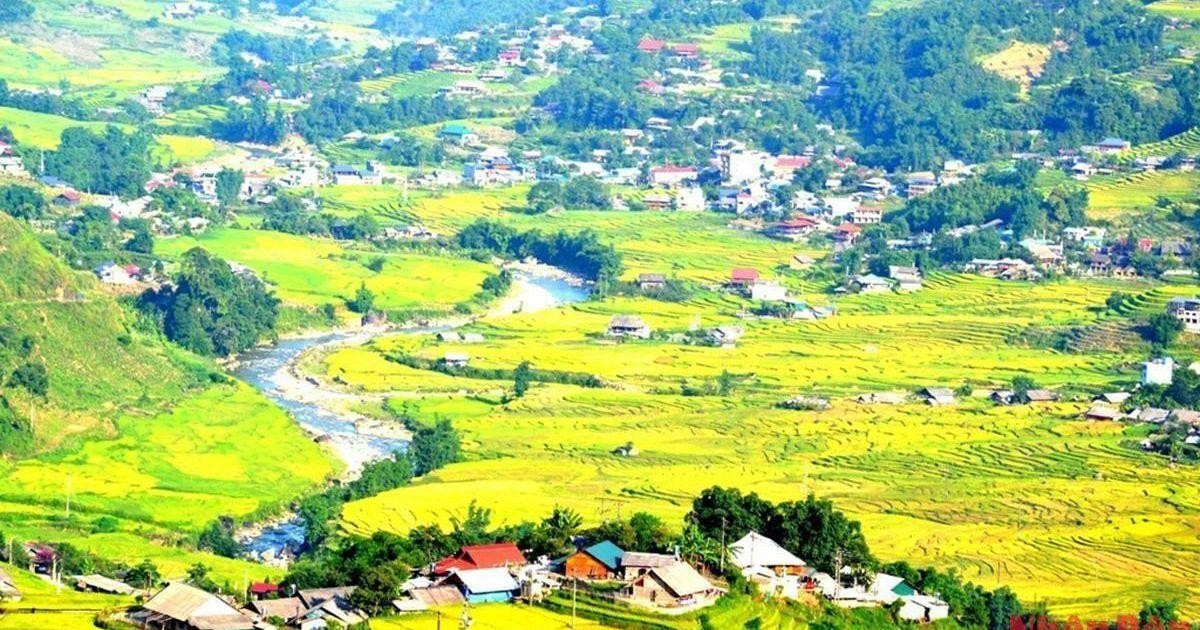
314 272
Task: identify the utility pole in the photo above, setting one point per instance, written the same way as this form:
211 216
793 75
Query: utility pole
574 598
721 562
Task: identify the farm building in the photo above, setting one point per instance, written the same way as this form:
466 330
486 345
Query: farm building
908 278
181 606
481 557
601 561
628 326
285 608
485 585
95 583
880 398
676 585
938 396
871 283
651 281
755 551
456 359
1102 412
635 563
726 335
743 278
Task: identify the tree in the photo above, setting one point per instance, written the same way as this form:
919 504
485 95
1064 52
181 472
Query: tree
434 446
363 301
1163 329
815 531
143 575
210 310
377 587
522 377
1116 300
473 527
725 383
142 241
197 576
32 377
1021 384
1164 611
229 186
22 202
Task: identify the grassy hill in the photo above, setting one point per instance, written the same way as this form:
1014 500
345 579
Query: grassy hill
99 363
138 429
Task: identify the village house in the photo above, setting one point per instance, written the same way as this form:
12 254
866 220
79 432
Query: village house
794 229
1113 146
920 184
657 201
938 396
651 46
740 167
672 175
322 605
1102 412
726 335
876 188
768 292
480 586
286 608
95 583
651 281
1187 311
907 278
114 274
674 586
601 561
628 326
777 571
458 133
635 563
181 606
871 283
867 215
845 236
456 360
1160 371
743 278
690 199
481 557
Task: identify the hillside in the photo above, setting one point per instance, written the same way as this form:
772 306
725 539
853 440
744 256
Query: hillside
97 362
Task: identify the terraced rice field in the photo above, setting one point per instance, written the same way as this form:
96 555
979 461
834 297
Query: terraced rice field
1113 197
1029 497
313 272
1187 142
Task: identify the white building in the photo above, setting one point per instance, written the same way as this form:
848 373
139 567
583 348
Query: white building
1159 371
1187 311
740 167
690 199
767 292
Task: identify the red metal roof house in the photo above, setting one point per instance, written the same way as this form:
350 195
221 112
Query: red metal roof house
481 557
653 46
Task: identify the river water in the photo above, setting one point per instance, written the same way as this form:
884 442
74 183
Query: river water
267 369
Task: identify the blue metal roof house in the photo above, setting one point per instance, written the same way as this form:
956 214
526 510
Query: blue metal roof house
485 585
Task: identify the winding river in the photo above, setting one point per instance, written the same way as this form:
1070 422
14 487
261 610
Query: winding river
354 439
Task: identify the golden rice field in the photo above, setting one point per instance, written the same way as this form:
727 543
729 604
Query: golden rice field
1029 497
60 610
1186 9
313 271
